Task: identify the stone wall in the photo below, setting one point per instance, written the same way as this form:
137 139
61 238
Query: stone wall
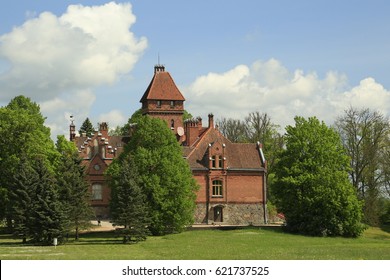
233 214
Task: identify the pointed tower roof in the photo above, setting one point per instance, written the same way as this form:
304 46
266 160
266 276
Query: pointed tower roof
162 87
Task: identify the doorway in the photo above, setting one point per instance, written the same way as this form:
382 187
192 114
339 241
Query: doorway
218 214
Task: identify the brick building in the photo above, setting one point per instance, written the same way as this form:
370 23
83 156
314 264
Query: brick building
231 175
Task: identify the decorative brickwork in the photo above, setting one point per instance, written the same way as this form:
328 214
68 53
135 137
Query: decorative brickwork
231 176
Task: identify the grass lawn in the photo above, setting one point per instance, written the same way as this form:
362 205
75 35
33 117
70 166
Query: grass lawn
248 243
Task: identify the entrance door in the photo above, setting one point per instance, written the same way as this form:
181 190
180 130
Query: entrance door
218 215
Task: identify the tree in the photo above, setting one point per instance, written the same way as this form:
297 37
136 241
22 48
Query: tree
22 132
128 205
365 135
47 216
312 185
233 129
256 127
20 193
73 187
165 176
87 128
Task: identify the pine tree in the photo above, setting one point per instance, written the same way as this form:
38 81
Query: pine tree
87 128
128 203
23 134
73 187
25 184
47 218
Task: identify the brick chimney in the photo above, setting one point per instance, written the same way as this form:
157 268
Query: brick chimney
192 129
211 120
103 128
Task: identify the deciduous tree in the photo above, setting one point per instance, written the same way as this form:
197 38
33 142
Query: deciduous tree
312 185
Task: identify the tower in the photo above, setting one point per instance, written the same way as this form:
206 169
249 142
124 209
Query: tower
72 129
162 99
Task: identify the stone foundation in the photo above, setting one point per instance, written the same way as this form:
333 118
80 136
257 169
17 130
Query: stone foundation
232 214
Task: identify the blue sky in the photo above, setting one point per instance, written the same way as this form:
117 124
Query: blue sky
285 58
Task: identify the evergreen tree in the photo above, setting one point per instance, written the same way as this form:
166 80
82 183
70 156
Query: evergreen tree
312 185
23 133
47 217
87 128
128 203
21 192
73 187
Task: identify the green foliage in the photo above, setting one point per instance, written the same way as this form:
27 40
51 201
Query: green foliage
73 187
165 176
47 217
365 135
23 134
87 128
128 205
312 186
20 193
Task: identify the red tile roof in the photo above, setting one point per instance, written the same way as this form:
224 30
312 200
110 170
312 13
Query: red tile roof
244 156
162 87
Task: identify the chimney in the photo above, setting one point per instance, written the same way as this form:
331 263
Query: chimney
192 130
211 120
103 128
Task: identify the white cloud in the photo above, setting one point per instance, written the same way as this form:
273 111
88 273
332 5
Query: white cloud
113 118
270 87
57 59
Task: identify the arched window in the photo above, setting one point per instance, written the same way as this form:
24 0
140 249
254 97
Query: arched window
217 188
97 192
172 124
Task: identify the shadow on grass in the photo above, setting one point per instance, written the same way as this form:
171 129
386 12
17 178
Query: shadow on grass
385 228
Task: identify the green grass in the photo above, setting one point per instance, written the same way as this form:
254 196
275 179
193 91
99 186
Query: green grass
250 243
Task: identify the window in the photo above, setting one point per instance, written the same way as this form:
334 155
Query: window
216 162
158 103
217 188
213 162
172 104
96 192
172 124
220 164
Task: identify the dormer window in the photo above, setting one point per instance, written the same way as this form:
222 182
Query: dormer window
213 162
216 162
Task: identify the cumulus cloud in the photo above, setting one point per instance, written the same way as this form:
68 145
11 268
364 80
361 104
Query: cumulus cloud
50 57
113 118
270 87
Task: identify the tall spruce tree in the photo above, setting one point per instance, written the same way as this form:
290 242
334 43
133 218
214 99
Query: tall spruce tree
24 186
23 133
47 217
73 187
87 128
312 185
128 205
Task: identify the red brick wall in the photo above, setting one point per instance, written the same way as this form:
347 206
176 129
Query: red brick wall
237 188
245 188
